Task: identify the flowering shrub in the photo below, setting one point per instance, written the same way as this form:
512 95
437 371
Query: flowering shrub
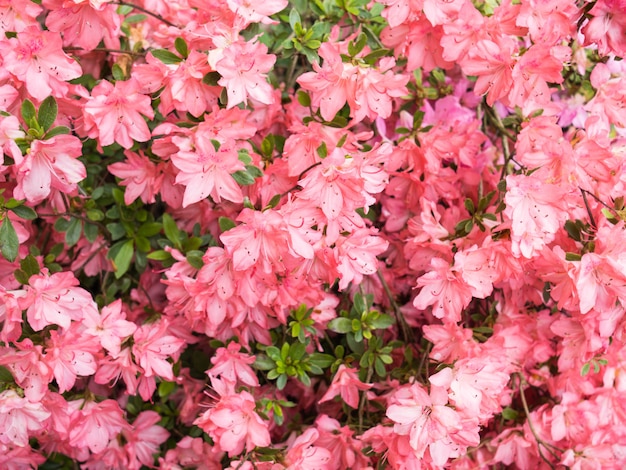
318 234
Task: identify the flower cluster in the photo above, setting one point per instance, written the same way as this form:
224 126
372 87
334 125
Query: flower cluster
312 235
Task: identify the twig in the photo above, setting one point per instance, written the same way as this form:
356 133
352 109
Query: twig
147 12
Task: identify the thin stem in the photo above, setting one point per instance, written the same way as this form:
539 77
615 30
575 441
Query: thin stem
370 373
147 12
591 218
407 333
104 49
540 441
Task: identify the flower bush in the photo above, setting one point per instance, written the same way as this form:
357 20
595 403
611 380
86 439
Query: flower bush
318 234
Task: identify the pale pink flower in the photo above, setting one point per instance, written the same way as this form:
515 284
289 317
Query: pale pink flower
332 84
26 363
205 171
50 164
110 326
244 67
141 177
153 346
36 58
20 418
144 439
339 440
93 424
71 354
233 423
346 383
233 365
15 15
443 287
56 300
303 454
256 11
115 113
84 23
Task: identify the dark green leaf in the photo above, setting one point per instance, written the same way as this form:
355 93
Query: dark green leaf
30 265
58 130
48 110
24 212
9 243
322 150
321 360
226 224
181 47
123 258
166 388
304 99
74 229
28 111
118 73
243 178
509 414
171 230
91 232
572 257
160 255
165 56
149 229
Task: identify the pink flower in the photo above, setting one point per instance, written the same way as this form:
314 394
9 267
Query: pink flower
303 454
233 365
71 354
56 300
206 171
347 384
115 113
333 84
93 425
144 439
444 288
233 424
356 255
153 346
36 58
256 11
20 418
50 164
244 69
84 24
141 177
110 326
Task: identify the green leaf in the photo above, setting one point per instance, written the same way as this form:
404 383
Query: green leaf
274 201
373 56
149 229
357 46
321 360
379 366
118 73
171 230
340 325
58 130
509 414
294 18
123 258
24 212
281 382
211 78
181 47
29 112
226 224
194 258
263 362
322 150
91 232
303 98
30 265
166 388
9 243
132 19
573 256
243 178
5 375
48 110
382 321
165 56
160 255
297 351
469 205
72 235
585 369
